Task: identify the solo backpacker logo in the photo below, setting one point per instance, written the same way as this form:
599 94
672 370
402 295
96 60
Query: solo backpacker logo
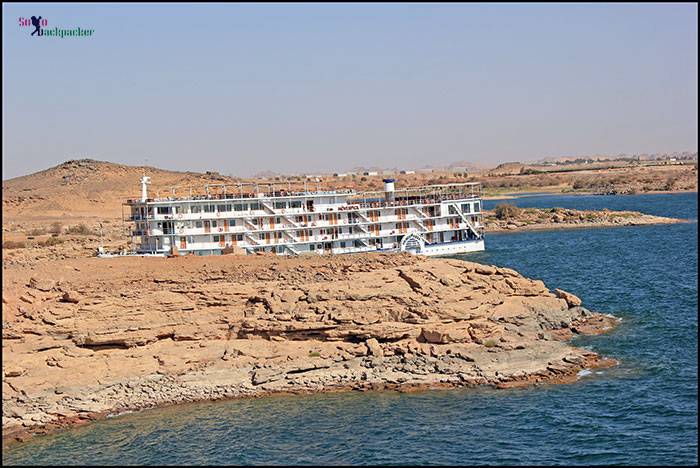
40 29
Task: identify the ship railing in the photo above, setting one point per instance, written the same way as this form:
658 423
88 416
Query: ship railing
237 195
465 219
360 203
465 190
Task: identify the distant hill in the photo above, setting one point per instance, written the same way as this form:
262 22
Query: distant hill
509 168
88 187
680 155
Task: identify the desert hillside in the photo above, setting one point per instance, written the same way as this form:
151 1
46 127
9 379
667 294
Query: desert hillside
87 188
95 190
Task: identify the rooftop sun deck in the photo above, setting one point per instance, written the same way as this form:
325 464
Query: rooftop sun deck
424 194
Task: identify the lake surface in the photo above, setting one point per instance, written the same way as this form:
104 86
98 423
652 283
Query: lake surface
644 411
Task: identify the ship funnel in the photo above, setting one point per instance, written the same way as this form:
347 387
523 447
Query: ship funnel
389 189
145 180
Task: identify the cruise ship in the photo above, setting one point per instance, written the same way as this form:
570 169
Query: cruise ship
245 219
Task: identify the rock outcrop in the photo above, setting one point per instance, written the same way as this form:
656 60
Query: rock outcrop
128 333
508 218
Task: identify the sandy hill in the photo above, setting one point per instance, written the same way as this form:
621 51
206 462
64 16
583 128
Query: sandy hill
509 168
86 187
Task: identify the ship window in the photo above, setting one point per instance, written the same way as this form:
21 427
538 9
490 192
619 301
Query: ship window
466 208
164 210
239 237
208 208
477 208
196 209
213 223
223 208
278 220
296 204
239 207
190 239
342 244
255 206
198 224
216 238
232 222
280 205
312 247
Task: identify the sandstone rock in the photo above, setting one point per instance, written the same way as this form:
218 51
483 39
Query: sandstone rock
570 299
485 269
12 371
446 333
434 335
45 285
374 347
306 325
70 296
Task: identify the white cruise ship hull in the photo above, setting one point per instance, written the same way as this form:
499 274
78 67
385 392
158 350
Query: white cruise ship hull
452 248
431 220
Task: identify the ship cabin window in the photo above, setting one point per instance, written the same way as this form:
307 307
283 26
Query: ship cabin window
240 207
216 238
198 224
196 209
164 210
466 208
239 237
223 208
190 239
477 208
254 206
312 247
213 223
452 210
296 204
208 208
232 222
342 244
280 205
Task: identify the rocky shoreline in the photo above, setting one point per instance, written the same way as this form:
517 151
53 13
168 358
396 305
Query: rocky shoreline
514 219
85 338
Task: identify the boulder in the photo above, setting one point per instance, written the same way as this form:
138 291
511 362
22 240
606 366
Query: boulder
70 296
374 347
485 269
45 285
570 299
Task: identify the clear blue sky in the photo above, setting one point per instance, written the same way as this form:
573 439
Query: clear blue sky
292 88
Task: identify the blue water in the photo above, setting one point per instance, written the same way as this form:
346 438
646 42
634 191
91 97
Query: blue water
644 411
